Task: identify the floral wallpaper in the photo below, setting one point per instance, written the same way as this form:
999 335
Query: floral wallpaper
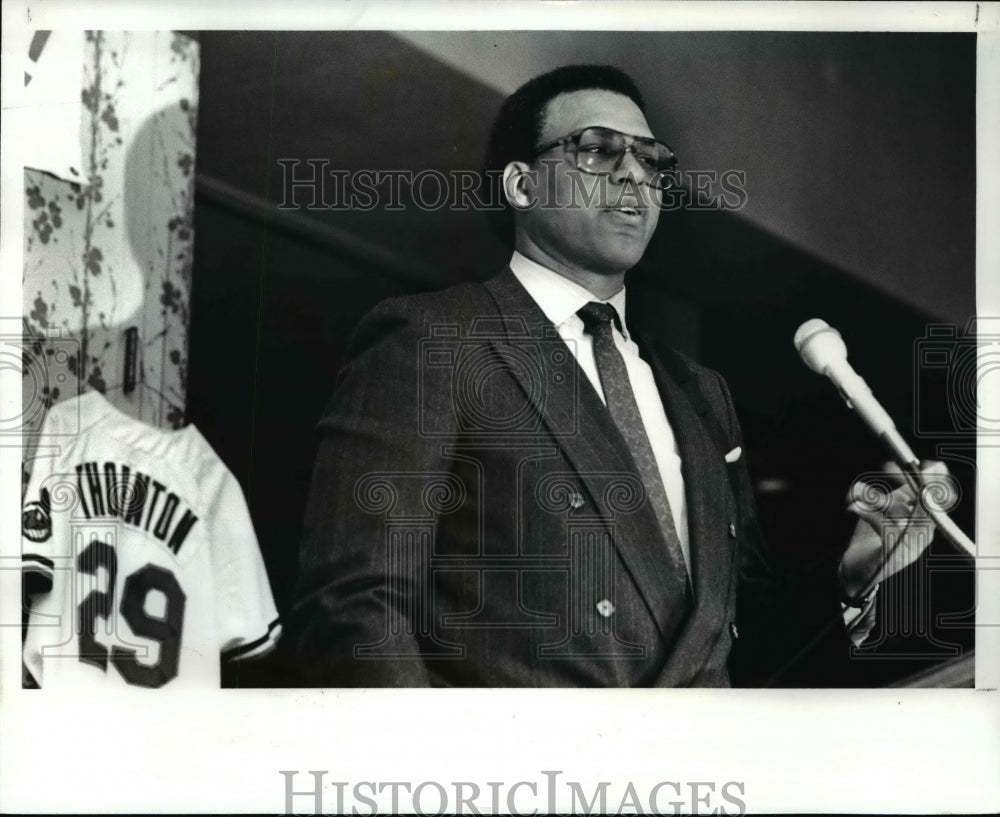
115 251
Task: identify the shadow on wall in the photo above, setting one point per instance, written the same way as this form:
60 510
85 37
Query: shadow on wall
104 257
116 252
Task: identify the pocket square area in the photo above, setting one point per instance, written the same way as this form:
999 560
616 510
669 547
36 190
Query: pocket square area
735 454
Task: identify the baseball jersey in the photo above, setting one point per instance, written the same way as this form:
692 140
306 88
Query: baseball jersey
139 555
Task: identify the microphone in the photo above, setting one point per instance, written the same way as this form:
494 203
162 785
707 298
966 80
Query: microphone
822 349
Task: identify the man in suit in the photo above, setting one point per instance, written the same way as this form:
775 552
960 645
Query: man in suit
516 487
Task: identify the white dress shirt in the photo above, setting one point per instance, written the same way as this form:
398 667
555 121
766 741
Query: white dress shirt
560 298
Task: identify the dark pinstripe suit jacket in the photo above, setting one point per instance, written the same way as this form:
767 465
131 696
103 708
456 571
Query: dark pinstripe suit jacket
475 519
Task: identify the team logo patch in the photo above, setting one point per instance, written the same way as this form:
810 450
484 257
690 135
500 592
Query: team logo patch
36 520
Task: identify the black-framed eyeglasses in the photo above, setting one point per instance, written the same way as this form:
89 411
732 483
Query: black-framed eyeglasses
600 151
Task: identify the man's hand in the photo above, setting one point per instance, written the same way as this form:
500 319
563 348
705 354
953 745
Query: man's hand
892 526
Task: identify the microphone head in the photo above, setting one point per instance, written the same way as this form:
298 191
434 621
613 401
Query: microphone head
819 345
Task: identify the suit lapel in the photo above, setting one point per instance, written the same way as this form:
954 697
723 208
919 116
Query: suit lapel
596 448
711 508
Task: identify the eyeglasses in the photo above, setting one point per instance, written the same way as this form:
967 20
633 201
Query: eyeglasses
600 151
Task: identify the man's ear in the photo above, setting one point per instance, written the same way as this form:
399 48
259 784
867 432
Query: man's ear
519 185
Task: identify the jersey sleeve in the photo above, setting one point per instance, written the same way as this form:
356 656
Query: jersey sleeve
246 618
41 547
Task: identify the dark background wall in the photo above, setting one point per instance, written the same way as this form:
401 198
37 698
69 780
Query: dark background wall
859 155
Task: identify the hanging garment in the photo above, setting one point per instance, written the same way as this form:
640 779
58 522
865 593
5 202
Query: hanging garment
140 557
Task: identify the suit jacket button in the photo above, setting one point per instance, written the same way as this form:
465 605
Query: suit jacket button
732 530
733 631
576 501
605 608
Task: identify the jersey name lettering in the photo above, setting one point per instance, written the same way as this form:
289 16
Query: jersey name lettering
112 490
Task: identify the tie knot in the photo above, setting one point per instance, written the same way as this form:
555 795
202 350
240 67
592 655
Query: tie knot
594 314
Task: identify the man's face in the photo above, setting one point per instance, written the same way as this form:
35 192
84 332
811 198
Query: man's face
591 224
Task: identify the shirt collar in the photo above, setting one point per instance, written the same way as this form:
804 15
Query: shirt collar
557 296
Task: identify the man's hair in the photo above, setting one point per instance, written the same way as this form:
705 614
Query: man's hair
518 126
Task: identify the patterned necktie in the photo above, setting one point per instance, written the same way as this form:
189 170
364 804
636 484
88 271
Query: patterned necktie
597 319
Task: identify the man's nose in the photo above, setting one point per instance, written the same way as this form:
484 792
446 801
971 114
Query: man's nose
628 168
631 176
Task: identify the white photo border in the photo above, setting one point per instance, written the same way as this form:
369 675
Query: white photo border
900 751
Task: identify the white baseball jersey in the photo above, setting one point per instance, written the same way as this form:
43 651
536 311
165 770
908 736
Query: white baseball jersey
140 556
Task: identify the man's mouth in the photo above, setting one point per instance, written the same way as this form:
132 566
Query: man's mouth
626 209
